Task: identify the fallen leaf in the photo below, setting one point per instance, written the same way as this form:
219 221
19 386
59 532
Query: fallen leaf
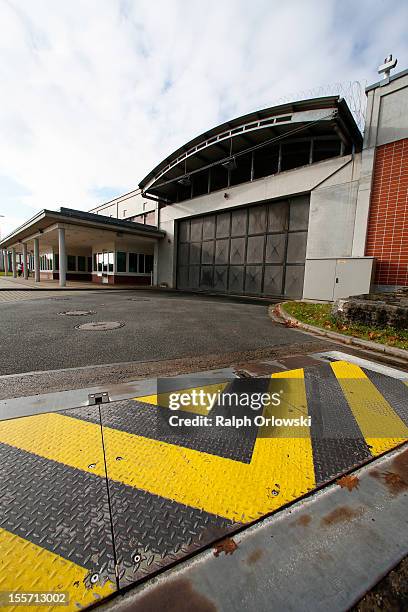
227 546
348 482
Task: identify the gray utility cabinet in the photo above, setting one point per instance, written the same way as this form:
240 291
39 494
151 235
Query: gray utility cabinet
337 277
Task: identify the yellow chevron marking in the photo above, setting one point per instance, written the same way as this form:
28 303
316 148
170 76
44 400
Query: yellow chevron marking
381 427
281 468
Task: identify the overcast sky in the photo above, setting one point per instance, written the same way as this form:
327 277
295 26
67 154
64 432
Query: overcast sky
94 93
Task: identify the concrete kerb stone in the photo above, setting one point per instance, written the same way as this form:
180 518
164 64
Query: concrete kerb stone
279 315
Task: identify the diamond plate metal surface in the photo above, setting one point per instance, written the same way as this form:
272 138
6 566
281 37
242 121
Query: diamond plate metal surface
336 438
149 421
67 524
152 532
59 508
55 529
394 391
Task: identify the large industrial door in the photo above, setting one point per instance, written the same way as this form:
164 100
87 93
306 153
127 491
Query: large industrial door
255 250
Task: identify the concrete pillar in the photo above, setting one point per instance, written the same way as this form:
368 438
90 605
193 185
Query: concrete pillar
62 257
25 266
155 264
14 261
36 260
6 262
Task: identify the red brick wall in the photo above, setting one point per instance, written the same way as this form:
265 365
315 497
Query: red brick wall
387 236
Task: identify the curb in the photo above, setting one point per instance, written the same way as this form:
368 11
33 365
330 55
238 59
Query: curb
279 315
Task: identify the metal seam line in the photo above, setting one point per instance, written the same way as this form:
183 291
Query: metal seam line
109 502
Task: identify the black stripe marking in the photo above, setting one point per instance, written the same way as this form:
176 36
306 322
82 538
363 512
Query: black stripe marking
337 441
394 391
152 532
152 422
59 508
65 510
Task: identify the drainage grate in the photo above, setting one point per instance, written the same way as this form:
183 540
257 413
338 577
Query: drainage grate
99 326
77 313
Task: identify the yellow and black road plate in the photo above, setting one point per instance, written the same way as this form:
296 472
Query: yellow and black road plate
94 499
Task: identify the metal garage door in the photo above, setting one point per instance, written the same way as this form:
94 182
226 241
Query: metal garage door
256 250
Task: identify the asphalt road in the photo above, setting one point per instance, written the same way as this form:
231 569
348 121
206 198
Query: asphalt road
34 336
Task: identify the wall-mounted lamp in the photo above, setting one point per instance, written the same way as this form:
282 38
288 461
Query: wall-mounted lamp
230 164
185 181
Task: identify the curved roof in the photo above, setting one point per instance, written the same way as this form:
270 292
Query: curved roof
253 128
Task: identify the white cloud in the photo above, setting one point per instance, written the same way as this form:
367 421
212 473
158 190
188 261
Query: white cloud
96 92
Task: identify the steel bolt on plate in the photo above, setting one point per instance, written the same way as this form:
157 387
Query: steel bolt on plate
77 313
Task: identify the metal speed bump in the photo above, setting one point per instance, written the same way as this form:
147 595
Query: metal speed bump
96 498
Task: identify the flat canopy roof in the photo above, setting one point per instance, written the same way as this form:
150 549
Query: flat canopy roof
45 218
315 116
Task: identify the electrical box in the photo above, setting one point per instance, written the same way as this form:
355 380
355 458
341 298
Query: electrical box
332 278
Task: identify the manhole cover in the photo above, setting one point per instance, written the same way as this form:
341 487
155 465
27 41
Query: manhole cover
99 325
77 313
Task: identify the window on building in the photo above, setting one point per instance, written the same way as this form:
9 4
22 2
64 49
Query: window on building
124 213
200 183
71 263
56 261
150 218
148 263
81 263
295 154
94 263
121 261
219 178
89 264
141 268
266 161
324 149
242 172
183 191
133 262
139 218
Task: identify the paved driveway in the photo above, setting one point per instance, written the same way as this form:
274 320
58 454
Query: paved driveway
33 336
